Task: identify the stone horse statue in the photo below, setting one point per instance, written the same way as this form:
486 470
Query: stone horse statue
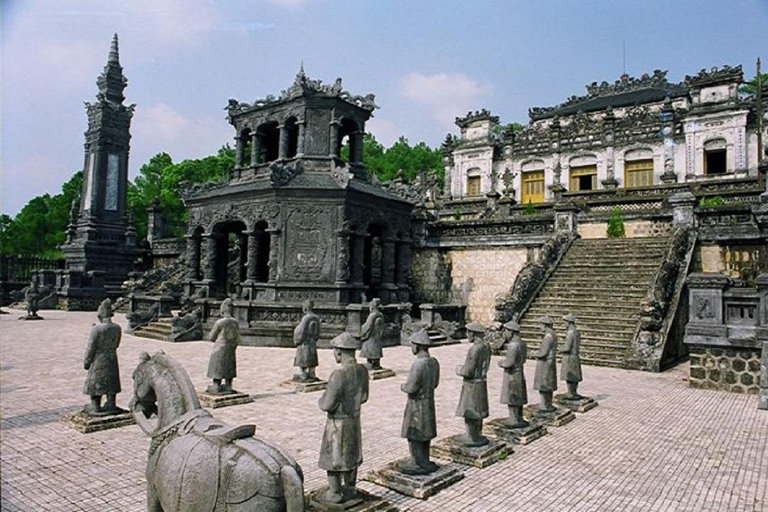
197 463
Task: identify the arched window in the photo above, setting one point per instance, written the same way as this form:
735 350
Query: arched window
292 127
350 142
269 139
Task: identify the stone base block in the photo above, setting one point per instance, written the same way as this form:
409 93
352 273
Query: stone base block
85 423
32 317
582 404
499 429
451 449
363 502
213 401
381 373
556 418
417 486
300 386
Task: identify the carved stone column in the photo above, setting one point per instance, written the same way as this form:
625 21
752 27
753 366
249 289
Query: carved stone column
682 205
242 245
283 141
609 136
342 257
211 246
333 150
357 146
253 255
239 152
193 257
387 261
274 254
302 125
403 270
358 258
255 148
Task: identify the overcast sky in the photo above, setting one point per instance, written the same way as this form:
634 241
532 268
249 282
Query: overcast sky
427 62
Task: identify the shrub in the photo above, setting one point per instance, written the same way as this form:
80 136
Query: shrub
711 201
529 209
615 224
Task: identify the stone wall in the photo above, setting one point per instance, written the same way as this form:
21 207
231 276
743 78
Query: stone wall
431 271
632 229
737 261
728 369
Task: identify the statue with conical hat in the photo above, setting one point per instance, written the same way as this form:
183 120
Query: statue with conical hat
305 338
514 392
545 378
473 403
101 363
570 371
341 451
419 420
370 336
222 365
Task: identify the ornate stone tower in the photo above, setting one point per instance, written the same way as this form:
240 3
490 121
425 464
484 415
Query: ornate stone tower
101 238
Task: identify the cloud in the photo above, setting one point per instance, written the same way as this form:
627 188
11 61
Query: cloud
443 95
385 130
41 174
174 22
289 4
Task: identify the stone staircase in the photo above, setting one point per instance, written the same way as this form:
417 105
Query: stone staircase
157 330
602 282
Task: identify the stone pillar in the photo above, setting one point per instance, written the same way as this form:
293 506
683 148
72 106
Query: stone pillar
302 125
274 254
761 283
154 221
763 404
193 257
283 141
357 157
706 325
342 257
358 258
333 150
242 245
565 217
239 152
608 139
253 256
387 261
255 148
667 132
682 205
209 272
403 270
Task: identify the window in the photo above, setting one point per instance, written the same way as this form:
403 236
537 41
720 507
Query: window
533 187
583 178
473 186
714 161
638 173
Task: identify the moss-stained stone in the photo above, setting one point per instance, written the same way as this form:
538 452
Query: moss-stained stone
737 371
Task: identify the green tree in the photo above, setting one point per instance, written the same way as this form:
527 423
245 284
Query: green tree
385 163
616 224
750 88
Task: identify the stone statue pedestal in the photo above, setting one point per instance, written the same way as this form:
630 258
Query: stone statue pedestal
363 502
87 423
417 486
381 373
582 404
451 448
216 401
498 428
556 418
31 317
304 386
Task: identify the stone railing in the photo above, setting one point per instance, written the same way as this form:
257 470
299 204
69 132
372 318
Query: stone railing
486 229
726 332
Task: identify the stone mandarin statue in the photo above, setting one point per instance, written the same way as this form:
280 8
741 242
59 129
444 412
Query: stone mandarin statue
101 362
570 371
370 336
514 392
32 297
473 404
545 379
419 421
225 336
305 337
341 451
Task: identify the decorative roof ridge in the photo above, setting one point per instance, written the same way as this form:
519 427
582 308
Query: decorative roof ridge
477 115
715 75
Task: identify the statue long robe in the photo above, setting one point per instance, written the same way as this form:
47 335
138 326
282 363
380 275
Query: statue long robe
570 371
545 378
305 338
347 391
370 335
226 336
419 420
513 387
473 402
101 360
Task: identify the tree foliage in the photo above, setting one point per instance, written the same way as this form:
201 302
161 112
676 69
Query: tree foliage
385 163
750 88
615 224
40 227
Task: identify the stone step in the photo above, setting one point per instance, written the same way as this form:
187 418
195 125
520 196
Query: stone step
621 242
529 332
617 294
574 305
150 335
613 266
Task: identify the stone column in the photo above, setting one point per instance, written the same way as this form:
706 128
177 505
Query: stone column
274 254
358 258
403 270
565 217
253 255
239 152
668 118
608 140
255 148
242 245
682 205
283 141
333 150
387 261
706 322
357 157
193 257
154 221
209 273
302 125
342 257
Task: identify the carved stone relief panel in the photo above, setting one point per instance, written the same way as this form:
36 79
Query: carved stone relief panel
310 238
317 132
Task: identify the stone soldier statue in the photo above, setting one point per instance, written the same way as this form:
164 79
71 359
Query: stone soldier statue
101 362
514 392
473 404
570 371
370 336
545 379
341 452
305 337
225 336
419 420
32 297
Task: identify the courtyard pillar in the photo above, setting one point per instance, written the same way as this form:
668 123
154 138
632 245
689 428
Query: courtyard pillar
334 139
342 257
357 157
253 255
283 141
242 246
255 148
210 253
358 257
239 152
274 254
403 262
193 257
387 261
300 138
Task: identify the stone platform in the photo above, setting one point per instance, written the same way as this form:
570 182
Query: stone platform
451 448
364 502
556 418
582 404
499 429
381 373
213 401
85 423
417 486
299 386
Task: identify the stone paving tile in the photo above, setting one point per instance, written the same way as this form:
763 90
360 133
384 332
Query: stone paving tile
653 444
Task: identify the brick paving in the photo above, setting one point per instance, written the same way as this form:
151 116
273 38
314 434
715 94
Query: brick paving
653 444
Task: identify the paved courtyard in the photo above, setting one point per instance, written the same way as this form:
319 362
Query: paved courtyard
653 444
